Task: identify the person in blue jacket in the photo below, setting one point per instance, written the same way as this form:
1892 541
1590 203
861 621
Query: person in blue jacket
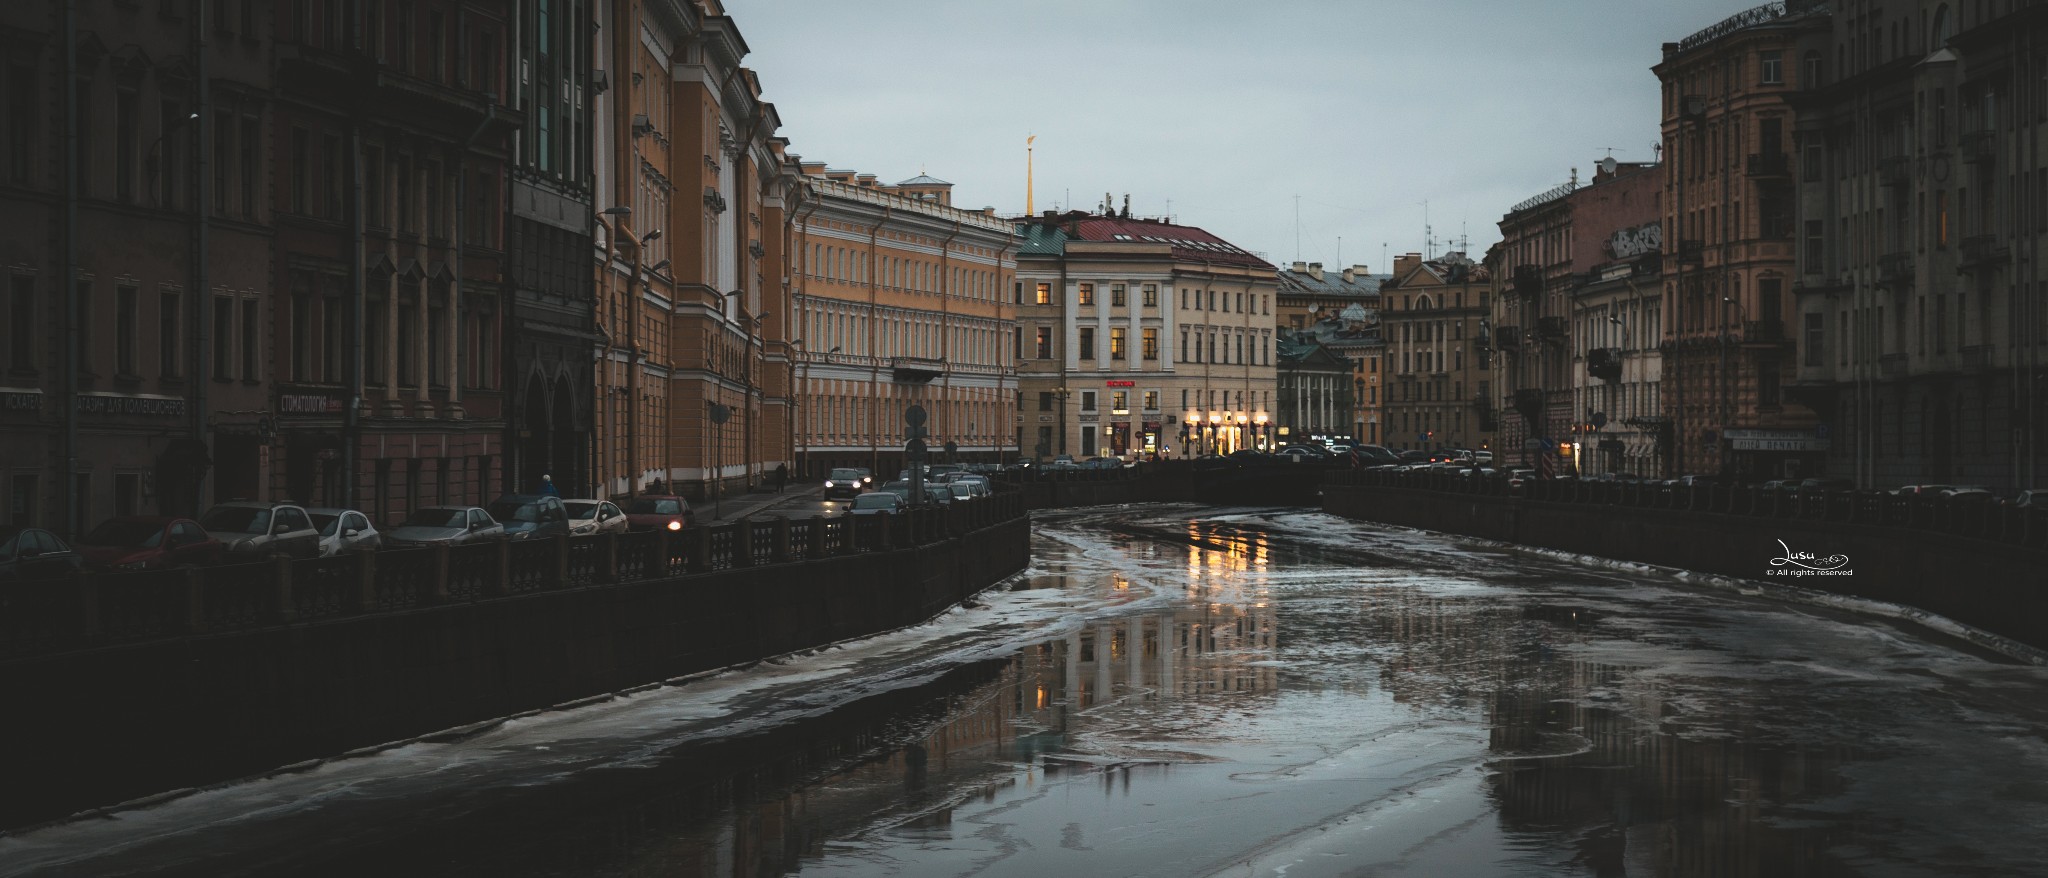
547 486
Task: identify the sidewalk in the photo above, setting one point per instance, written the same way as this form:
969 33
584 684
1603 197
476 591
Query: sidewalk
756 504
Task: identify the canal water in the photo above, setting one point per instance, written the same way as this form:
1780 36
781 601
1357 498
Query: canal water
1182 691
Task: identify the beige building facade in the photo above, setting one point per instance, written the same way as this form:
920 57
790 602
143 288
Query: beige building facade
1138 337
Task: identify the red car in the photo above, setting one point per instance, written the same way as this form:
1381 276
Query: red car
658 512
146 542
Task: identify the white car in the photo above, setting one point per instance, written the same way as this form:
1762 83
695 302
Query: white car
344 530
594 517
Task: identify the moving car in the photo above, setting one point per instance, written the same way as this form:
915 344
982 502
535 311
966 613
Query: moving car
445 525
531 516
659 512
594 517
34 553
256 530
876 503
344 530
148 542
846 482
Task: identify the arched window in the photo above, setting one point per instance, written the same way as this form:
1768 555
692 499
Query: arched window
1938 35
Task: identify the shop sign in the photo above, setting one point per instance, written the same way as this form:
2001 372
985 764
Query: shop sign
118 404
21 401
1116 383
308 404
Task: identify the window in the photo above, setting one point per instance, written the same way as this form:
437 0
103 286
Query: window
85 150
21 118
125 328
1151 295
1087 343
1116 295
21 323
1810 256
402 48
1815 331
1767 383
1044 296
83 290
1088 440
402 169
223 338
375 327
1087 400
1087 294
124 145
1045 400
330 339
437 322
252 347
1771 68
437 50
168 319
302 172
374 214
223 159
301 356
1151 343
252 164
1119 402
1044 342
1118 344
1941 218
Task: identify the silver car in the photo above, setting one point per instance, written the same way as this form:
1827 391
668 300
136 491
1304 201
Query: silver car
445 525
344 530
594 517
256 530
877 503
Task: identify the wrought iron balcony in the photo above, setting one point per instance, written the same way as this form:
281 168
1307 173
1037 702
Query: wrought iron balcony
1692 250
1895 269
1508 338
1892 365
1528 280
1895 171
1983 251
1978 147
1550 328
1763 332
1770 165
1604 363
1976 358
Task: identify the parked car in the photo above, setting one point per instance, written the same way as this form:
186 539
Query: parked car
531 516
1414 456
34 553
2031 498
976 486
445 525
1375 455
877 503
255 530
659 512
963 491
1822 486
1923 490
148 542
847 482
1970 493
594 517
344 530
900 488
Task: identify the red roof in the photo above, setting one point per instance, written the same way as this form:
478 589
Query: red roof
1190 244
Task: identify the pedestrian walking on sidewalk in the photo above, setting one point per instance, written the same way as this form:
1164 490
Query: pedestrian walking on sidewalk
547 486
781 477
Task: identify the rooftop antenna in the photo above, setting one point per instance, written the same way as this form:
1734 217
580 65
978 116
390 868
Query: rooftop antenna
1169 210
1340 251
1428 234
1297 228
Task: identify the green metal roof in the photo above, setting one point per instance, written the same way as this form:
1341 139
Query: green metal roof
1041 240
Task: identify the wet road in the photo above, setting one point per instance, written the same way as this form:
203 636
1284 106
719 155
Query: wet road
1176 691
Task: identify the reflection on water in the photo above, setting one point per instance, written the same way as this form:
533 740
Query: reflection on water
1245 695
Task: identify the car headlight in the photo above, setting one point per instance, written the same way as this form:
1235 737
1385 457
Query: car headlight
244 544
675 524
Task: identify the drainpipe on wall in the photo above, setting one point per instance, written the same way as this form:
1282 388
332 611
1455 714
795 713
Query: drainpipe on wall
67 488
202 211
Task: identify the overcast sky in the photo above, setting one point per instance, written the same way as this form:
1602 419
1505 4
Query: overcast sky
1221 113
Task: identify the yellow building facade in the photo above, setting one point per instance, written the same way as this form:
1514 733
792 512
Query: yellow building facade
901 300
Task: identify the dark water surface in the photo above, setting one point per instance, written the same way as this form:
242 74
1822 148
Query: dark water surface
1175 691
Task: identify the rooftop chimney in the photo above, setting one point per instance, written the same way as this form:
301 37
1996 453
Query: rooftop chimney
1300 268
1315 270
1349 275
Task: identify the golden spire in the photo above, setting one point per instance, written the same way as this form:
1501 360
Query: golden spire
1028 208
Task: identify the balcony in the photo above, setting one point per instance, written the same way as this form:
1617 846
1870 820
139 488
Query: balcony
915 370
1508 338
1692 250
1895 171
1895 269
1976 358
1529 404
1983 251
1550 328
1764 332
1770 165
1892 365
1978 147
1528 280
